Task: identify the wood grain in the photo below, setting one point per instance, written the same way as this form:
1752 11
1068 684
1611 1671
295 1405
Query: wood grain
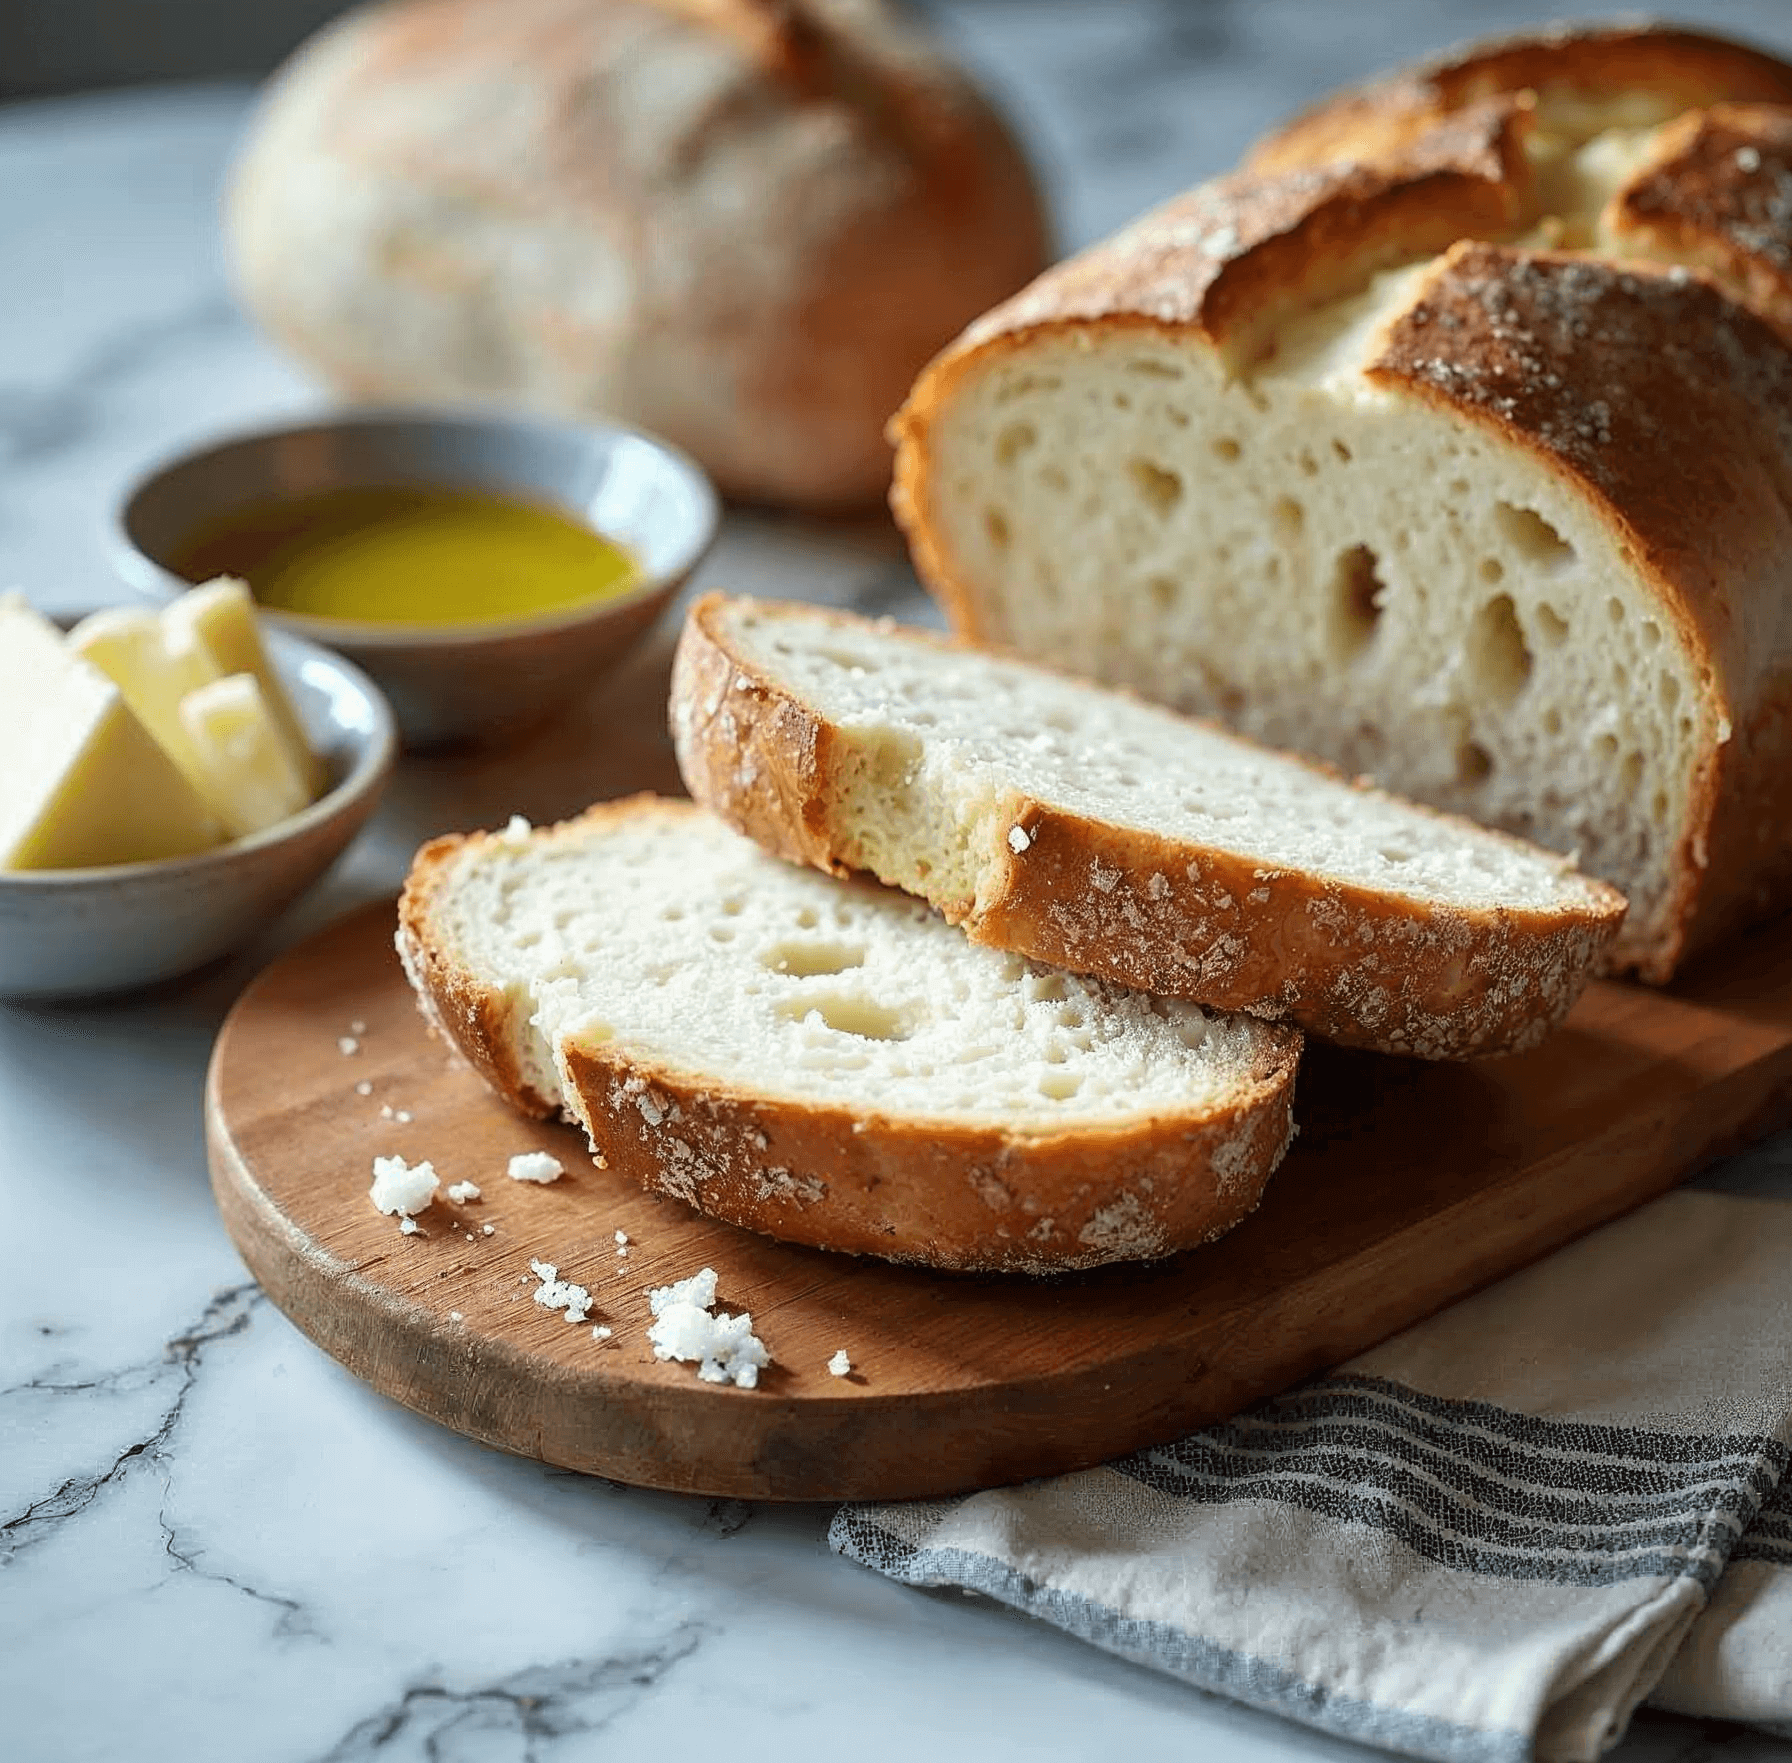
1410 1185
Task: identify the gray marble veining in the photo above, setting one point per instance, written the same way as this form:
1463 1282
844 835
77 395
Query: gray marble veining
214 1543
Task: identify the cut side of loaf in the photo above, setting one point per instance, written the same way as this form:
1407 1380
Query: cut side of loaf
1445 441
1080 826
829 1062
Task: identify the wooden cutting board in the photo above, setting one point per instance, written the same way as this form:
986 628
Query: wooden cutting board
1409 1186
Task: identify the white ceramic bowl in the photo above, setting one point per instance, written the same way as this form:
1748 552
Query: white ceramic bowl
451 683
70 933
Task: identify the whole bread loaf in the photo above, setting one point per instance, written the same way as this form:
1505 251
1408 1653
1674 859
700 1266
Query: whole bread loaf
1449 440
744 224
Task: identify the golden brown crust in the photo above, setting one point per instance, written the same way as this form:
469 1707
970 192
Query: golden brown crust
955 1197
1681 69
1716 194
940 1194
1362 967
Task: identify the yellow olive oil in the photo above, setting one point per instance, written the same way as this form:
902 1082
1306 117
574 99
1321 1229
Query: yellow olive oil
416 556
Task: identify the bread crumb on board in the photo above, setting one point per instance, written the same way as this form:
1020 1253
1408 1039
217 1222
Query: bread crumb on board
601 1333
555 1293
410 1227
363 1088
535 1166
405 1188
347 1045
357 1027
724 1347
462 1191
840 1365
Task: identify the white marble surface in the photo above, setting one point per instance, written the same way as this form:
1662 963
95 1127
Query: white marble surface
214 1543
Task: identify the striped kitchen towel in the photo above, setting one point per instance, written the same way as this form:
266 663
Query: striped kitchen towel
1490 1538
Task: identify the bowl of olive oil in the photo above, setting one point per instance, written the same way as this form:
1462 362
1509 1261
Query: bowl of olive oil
484 570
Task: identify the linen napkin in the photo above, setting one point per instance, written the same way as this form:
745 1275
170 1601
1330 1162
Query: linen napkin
1490 1538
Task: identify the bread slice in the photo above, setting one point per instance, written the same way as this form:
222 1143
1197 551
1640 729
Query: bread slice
1077 825
829 1062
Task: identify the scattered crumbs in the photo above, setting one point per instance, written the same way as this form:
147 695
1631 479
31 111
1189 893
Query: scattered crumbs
725 1348
402 1187
403 1117
622 1236
385 1111
555 1293
363 1088
463 1191
455 1316
487 1229
1748 159
839 1365
600 1333
410 1227
346 1045
357 1027
600 1160
535 1166
516 831
1018 839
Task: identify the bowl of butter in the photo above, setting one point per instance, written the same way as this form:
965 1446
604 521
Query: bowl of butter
173 780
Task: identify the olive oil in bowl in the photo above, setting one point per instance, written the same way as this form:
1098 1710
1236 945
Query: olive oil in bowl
415 556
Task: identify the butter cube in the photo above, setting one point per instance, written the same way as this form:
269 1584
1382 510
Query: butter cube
219 618
250 777
155 666
84 781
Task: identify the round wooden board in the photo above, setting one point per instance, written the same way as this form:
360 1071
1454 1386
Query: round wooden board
1409 1185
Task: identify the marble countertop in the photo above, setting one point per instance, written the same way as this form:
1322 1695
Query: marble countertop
215 1543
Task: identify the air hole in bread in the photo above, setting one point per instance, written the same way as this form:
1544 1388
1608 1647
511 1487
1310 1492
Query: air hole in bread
995 523
1474 764
1154 370
1633 770
1532 537
1670 691
734 905
721 933
1552 721
1551 625
1163 591
671 914
1308 464
1061 720
1394 854
1071 1017
1606 746
1356 596
1050 988
1614 609
1226 448
1014 440
863 1018
807 960
1060 1086
1160 487
807 919
1651 633
1025 383
1343 453
1492 570
1499 659
1052 476
1658 807
1122 402
1289 517
1459 487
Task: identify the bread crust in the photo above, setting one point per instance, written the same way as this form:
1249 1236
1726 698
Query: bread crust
1655 394
935 1193
1182 920
1682 69
742 224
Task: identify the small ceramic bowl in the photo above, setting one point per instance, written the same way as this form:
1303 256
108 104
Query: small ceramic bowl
452 683
77 933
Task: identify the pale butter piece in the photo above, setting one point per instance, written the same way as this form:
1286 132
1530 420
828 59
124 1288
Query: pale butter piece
219 617
155 666
246 766
83 782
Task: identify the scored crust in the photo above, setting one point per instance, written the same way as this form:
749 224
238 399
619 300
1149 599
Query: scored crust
1365 968
938 1193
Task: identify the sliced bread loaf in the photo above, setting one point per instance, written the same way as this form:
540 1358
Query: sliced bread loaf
1080 826
829 1062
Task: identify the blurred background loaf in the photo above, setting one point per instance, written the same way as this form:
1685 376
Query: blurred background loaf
744 224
